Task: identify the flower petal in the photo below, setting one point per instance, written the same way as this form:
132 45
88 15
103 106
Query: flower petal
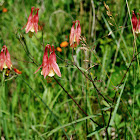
2 59
29 26
37 69
30 16
45 57
78 32
35 20
56 69
72 32
53 55
8 59
134 21
46 70
139 24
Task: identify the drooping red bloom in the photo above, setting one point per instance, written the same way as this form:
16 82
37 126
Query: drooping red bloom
75 34
5 60
135 23
32 23
49 65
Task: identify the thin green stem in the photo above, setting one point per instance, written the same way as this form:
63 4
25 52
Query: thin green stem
3 107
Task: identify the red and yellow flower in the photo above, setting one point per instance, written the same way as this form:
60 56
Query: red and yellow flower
49 65
75 34
32 23
135 23
5 60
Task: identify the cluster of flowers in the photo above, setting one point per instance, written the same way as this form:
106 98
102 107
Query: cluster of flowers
49 65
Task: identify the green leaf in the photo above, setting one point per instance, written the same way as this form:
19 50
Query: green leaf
98 129
106 108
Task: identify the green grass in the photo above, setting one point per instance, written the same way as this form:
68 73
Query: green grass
32 107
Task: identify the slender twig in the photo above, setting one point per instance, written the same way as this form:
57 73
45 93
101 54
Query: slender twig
92 83
129 67
85 76
76 103
113 85
89 79
103 118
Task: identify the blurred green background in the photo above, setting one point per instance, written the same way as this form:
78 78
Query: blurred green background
110 44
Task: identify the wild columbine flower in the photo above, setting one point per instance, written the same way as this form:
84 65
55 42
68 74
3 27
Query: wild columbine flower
75 34
32 23
5 60
135 23
49 65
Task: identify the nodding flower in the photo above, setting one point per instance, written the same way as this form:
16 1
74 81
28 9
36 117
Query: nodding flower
5 60
135 23
49 65
32 23
75 34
